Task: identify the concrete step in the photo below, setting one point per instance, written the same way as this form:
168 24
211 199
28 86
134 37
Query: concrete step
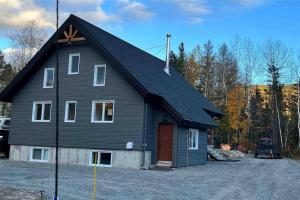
161 163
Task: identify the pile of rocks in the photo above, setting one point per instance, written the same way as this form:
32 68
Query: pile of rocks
224 155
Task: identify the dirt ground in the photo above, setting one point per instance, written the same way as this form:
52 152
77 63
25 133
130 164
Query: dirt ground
17 194
250 179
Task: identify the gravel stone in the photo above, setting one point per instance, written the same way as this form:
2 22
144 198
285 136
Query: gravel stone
249 179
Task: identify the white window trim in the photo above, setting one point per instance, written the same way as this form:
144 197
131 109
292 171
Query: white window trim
197 139
103 113
70 63
43 109
67 111
45 77
96 72
99 152
42 148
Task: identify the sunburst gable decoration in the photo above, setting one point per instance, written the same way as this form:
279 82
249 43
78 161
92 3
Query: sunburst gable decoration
71 35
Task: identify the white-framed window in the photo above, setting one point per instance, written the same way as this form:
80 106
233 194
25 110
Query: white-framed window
103 111
39 154
48 78
41 111
100 158
193 139
74 60
70 111
99 75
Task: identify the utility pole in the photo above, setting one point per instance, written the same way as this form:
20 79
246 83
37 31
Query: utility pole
57 107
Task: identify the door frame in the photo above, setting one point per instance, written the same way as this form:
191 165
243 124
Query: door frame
158 134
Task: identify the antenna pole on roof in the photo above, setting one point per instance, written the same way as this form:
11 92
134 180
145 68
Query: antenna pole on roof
166 69
57 108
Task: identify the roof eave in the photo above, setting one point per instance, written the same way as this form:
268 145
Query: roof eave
199 125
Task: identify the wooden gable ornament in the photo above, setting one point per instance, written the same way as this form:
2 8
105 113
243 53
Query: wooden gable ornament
71 35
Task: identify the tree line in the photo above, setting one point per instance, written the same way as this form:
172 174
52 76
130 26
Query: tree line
228 76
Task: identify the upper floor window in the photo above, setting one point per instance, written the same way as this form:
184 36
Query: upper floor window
41 111
102 111
70 111
99 75
74 60
48 78
193 139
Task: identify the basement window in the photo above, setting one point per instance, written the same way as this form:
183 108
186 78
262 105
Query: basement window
99 75
102 111
101 158
39 154
193 139
70 111
41 111
74 60
48 78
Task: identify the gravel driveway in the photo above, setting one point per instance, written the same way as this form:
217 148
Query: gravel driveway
256 179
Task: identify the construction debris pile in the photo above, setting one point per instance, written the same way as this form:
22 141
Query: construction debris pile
224 155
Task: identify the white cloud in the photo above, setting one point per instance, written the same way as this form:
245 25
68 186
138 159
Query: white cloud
97 16
135 10
192 10
17 13
194 7
81 2
195 20
250 3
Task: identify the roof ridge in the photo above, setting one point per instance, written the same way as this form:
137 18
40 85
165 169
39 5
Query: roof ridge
118 38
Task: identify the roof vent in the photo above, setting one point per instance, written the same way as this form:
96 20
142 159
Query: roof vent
167 69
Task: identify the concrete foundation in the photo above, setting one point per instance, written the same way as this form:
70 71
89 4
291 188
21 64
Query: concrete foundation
74 156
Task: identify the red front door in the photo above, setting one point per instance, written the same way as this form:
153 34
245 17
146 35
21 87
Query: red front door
165 134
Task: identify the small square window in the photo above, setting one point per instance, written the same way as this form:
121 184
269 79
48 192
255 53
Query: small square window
39 154
70 111
48 78
74 60
193 139
99 75
102 111
105 158
101 158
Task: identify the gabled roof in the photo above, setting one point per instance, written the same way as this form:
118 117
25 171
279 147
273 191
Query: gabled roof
143 71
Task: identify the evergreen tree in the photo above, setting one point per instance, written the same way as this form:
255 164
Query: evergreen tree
256 116
178 62
207 70
2 61
276 104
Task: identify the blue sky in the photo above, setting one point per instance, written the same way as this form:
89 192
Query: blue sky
145 23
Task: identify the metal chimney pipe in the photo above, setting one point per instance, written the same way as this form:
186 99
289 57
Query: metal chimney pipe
166 69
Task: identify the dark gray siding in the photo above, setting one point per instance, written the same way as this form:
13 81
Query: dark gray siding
128 113
188 157
150 132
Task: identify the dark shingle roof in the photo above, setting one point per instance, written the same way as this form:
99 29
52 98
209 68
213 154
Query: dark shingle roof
145 72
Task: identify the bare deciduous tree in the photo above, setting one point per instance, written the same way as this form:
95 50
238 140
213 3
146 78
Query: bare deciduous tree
25 43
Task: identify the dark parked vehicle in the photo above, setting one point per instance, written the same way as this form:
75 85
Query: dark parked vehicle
265 147
4 133
4 146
